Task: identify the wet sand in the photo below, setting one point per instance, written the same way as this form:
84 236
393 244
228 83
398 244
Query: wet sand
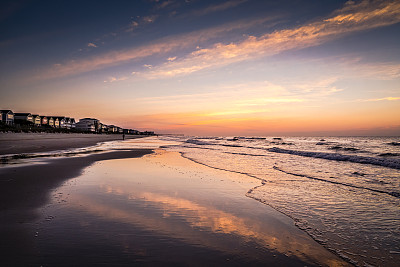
16 143
24 189
135 207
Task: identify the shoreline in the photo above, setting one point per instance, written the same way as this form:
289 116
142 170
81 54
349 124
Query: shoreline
22 198
18 143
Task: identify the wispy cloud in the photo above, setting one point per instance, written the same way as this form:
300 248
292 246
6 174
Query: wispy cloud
132 26
149 19
351 18
162 46
115 79
91 45
239 99
218 7
165 4
389 98
138 22
316 87
383 70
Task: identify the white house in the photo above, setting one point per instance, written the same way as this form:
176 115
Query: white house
88 125
37 120
7 116
50 121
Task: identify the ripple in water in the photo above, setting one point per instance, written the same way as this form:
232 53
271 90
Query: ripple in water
349 206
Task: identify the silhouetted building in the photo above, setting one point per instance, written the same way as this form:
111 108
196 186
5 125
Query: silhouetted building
23 118
88 125
36 120
7 116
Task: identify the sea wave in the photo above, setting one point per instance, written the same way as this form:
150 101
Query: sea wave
392 193
384 162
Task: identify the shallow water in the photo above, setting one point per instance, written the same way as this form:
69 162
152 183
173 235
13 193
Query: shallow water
165 209
343 191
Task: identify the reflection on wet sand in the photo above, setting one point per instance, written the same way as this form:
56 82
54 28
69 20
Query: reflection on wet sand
200 218
148 195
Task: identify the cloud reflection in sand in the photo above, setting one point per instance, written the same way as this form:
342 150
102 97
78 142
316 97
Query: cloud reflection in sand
157 195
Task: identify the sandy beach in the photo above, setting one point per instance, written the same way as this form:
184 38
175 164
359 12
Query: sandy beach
16 143
142 207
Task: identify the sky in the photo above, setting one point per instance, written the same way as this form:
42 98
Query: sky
196 67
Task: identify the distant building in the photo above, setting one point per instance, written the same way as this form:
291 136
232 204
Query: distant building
147 133
61 122
44 120
66 123
7 116
112 129
56 122
130 131
36 120
103 128
72 123
23 118
69 123
88 125
50 121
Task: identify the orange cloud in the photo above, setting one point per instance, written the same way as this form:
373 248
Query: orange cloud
332 118
381 99
352 18
162 46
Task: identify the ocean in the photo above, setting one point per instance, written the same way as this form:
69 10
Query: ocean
343 191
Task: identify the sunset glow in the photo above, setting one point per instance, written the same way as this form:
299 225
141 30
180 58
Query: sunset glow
240 67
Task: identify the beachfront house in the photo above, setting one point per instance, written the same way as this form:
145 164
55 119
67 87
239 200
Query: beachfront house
44 120
70 123
50 121
147 133
7 116
129 131
88 125
56 122
112 128
61 122
103 128
67 123
36 120
23 118
120 130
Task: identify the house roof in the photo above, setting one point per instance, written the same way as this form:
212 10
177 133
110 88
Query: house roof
6 111
92 119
